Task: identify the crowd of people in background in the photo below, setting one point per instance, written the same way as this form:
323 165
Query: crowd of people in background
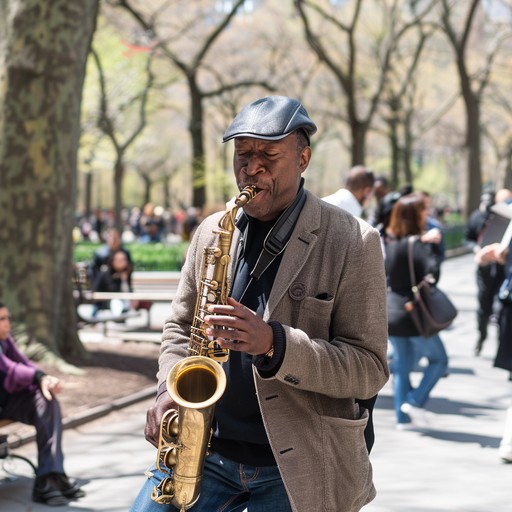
364 195
150 224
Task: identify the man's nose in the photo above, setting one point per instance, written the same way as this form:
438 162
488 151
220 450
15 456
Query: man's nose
254 166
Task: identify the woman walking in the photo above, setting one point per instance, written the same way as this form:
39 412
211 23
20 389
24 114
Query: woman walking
408 219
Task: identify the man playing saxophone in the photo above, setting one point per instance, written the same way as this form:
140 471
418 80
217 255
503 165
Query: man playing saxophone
306 329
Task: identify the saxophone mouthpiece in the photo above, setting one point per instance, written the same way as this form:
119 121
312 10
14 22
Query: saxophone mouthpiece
247 194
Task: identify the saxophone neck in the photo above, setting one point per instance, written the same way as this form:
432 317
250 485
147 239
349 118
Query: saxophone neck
227 221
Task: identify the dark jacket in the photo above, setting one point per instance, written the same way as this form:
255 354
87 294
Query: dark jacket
399 282
109 281
504 355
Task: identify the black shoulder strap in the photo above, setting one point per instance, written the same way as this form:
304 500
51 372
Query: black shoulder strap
410 257
279 236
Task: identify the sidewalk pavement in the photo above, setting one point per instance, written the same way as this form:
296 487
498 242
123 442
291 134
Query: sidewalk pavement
453 467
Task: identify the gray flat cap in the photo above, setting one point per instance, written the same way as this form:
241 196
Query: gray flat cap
270 118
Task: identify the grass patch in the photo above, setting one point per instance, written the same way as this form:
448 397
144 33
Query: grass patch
149 257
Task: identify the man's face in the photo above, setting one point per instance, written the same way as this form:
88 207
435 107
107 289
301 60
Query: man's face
366 195
380 189
274 167
5 323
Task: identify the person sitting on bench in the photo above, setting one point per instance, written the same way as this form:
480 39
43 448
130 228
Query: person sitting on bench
115 276
27 395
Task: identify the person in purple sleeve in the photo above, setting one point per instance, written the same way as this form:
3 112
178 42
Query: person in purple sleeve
27 395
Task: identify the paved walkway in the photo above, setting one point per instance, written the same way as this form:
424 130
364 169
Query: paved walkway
454 467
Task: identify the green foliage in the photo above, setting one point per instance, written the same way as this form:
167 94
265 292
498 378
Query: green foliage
454 236
150 257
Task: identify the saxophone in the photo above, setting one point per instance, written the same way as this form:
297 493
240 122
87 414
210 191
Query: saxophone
198 381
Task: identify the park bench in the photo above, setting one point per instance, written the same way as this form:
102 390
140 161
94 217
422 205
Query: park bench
7 429
84 295
149 288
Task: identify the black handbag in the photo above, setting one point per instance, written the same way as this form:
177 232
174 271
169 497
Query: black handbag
431 310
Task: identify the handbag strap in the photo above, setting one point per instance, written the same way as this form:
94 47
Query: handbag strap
410 250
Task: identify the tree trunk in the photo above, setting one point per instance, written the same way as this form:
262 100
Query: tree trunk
507 182
474 170
407 148
166 183
395 151
118 191
147 188
88 193
358 144
198 154
43 50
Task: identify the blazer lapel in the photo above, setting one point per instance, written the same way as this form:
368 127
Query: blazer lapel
297 251
295 255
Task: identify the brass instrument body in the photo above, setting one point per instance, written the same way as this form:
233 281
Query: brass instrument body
198 381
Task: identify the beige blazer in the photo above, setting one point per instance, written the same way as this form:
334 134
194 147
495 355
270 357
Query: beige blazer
335 352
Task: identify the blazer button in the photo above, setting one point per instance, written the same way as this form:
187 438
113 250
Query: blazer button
291 379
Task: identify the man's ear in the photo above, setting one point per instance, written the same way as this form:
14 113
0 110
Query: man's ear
305 157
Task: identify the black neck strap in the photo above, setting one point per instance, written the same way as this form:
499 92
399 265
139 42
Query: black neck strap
279 236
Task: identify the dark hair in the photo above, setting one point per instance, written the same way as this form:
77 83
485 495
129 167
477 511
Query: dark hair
359 178
302 140
2 305
384 209
406 215
406 189
110 261
382 179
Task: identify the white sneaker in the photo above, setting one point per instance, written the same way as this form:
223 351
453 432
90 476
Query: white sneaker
417 414
407 426
505 452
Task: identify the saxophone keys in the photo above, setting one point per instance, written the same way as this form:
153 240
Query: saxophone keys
217 353
169 457
170 424
163 493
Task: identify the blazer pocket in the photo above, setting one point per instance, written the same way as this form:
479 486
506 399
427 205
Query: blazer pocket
318 306
344 451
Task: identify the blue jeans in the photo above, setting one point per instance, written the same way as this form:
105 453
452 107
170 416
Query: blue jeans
406 351
227 487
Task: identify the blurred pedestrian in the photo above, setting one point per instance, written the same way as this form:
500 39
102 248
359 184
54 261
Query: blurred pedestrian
104 253
27 395
357 192
502 254
433 230
409 218
490 275
151 232
381 189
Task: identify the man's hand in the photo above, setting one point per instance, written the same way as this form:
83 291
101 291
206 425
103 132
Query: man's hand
432 236
236 327
50 386
492 253
154 417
